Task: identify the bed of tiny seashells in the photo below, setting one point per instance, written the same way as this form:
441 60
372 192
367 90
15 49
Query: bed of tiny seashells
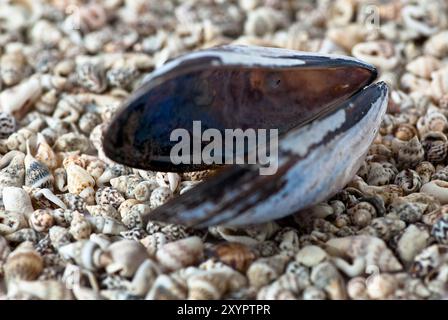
71 220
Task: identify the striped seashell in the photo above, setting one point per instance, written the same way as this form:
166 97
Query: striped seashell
167 287
44 290
438 189
11 222
80 228
371 249
127 256
154 242
437 152
207 285
24 263
59 236
109 195
17 200
423 66
181 253
425 170
37 174
104 210
41 220
126 184
264 270
409 181
7 125
325 276
236 255
106 225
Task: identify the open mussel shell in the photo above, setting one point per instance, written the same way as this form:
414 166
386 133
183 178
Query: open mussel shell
227 88
325 108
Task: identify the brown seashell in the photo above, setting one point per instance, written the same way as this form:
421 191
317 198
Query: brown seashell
405 132
24 263
425 170
236 255
181 253
44 290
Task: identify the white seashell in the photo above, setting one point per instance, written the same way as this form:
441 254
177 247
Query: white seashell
437 45
11 222
127 256
160 196
144 278
16 199
181 253
143 190
44 153
365 251
78 179
168 288
325 276
106 225
45 290
41 220
311 256
169 179
18 99
264 270
423 66
438 189
411 242
381 286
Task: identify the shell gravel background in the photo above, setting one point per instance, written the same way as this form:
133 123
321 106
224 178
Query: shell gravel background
71 220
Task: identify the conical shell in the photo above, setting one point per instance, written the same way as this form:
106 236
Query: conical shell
180 254
24 263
